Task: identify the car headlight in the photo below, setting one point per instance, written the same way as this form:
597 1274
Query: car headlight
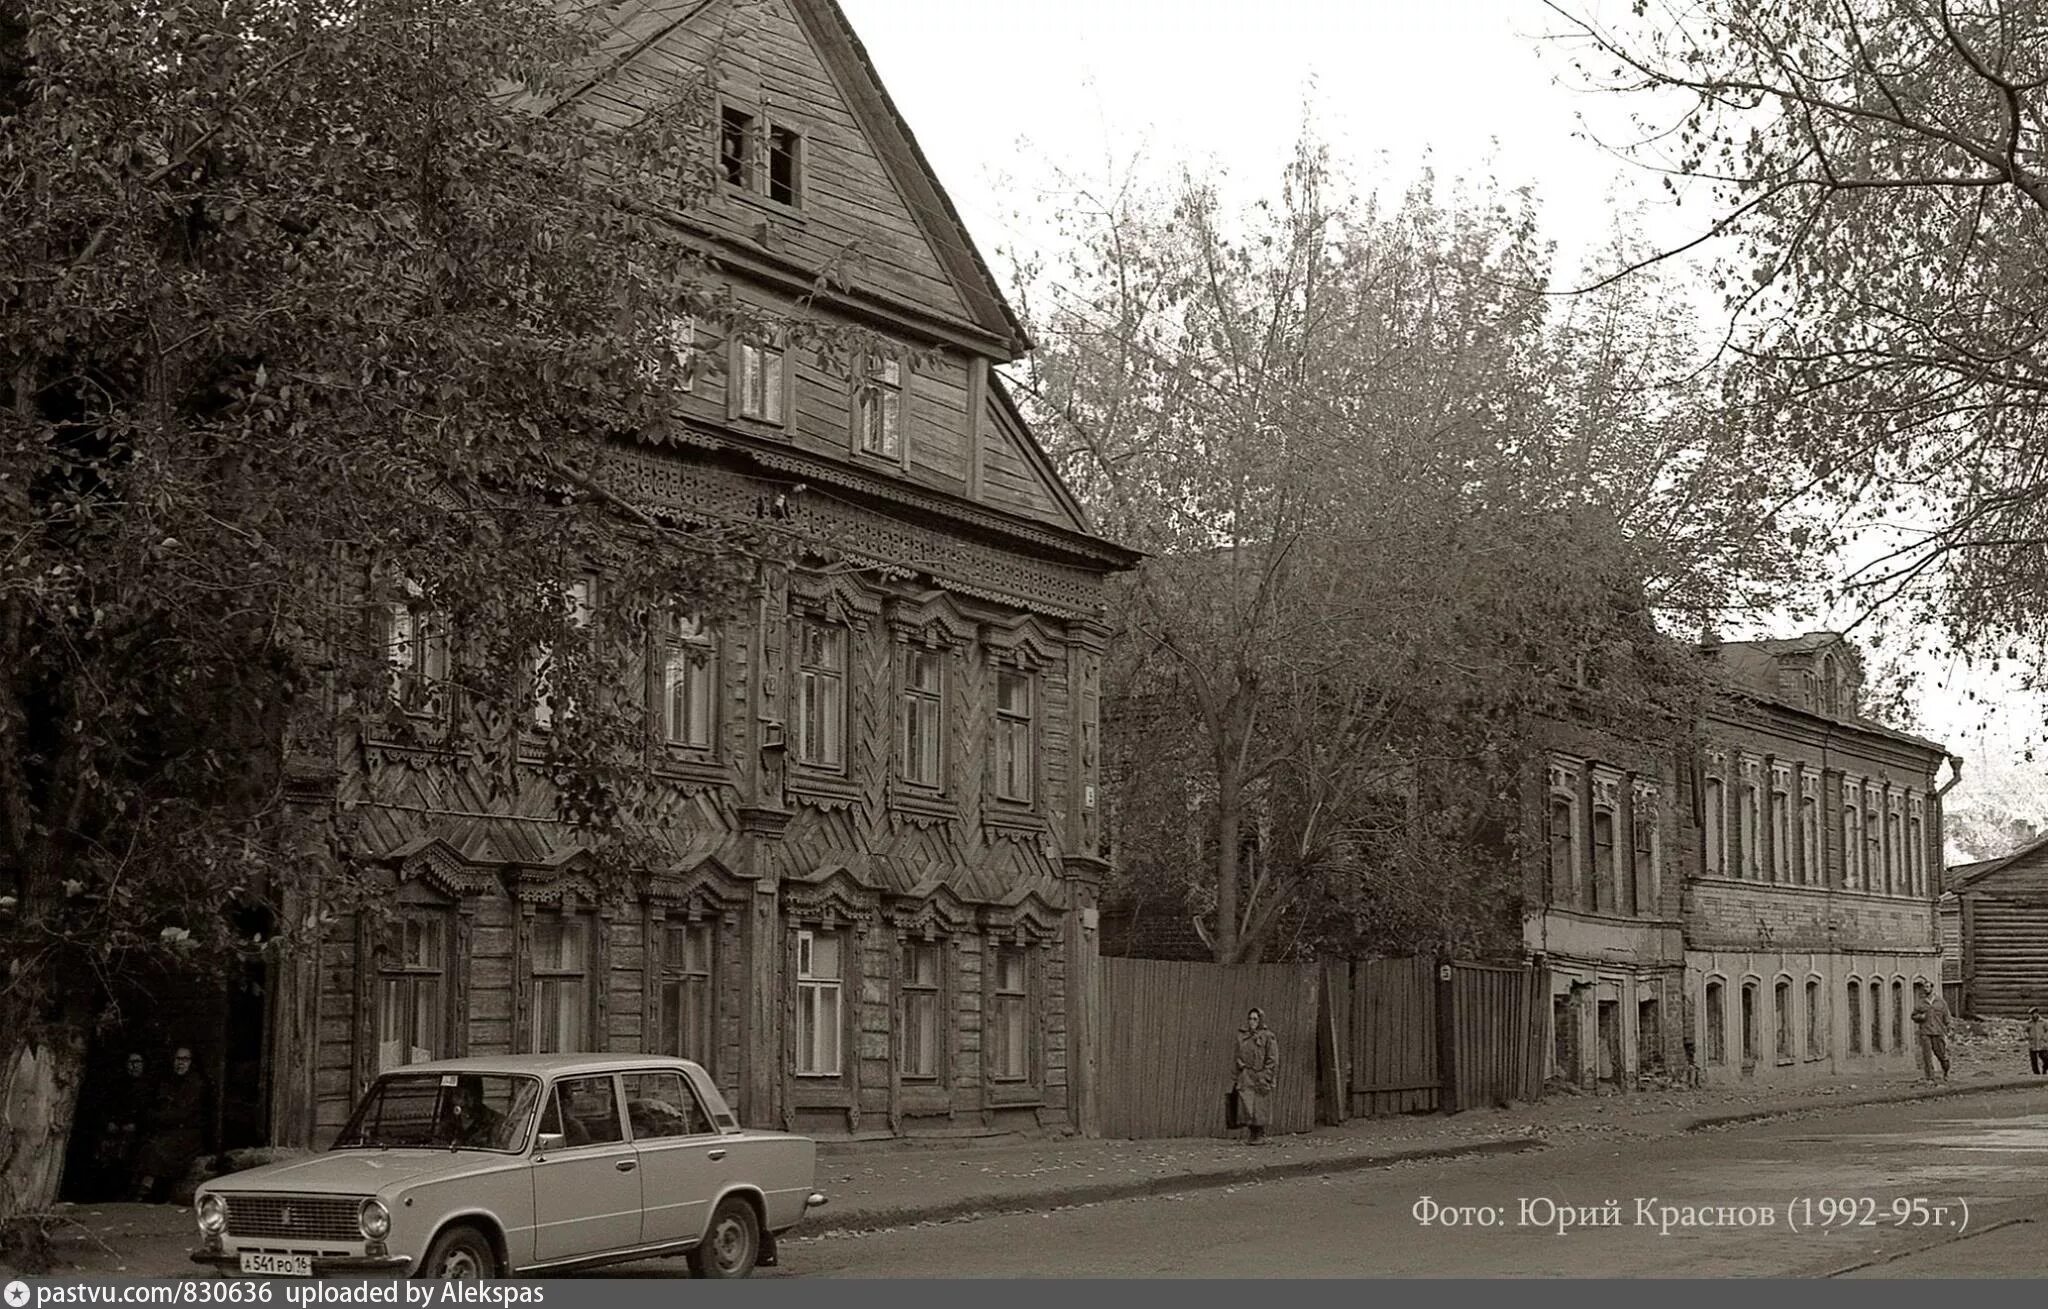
375 1220
213 1214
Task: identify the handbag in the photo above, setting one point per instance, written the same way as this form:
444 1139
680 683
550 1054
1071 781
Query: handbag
1232 1119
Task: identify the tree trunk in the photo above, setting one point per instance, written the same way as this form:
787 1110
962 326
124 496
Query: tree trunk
40 1072
1229 821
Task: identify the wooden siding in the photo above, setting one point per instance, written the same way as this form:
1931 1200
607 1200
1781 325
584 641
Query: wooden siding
2004 924
1394 1059
852 216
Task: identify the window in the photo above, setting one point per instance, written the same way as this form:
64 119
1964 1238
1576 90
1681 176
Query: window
1852 842
1855 1016
1750 1044
411 991
924 733
878 407
581 598
759 383
689 675
1898 1014
416 647
1563 848
1876 1016
1895 853
662 1105
1642 882
1810 871
922 1031
1717 1023
1748 859
1873 844
1815 1030
1782 1010
821 695
674 356
1714 822
587 1110
689 1008
785 166
1010 1016
1916 857
736 139
561 984
1781 837
819 1002
1013 736
1603 859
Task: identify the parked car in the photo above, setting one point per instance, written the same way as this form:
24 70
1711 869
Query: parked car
522 1165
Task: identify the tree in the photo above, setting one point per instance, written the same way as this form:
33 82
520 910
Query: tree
1881 173
1386 537
318 318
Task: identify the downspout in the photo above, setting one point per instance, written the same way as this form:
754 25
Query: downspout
1955 764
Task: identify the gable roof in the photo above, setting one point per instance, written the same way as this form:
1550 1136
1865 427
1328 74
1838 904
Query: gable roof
1964 875
636 27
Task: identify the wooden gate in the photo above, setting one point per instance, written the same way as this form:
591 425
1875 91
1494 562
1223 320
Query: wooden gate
1496 1019
1393 1037
1169 1041
1421 1040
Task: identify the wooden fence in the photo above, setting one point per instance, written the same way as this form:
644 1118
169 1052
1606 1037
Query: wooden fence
1497 1024
1169 1040
1393 1038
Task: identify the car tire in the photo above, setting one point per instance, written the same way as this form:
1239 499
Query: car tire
732 1244
460 1254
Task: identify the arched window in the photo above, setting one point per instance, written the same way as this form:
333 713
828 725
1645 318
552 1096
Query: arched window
1854 1015
1852 835
1816 1026
1876 1016
1781 1013
1714 824
1751 1038
1717 1021
1898 1013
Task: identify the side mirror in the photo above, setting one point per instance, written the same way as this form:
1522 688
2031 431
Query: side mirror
550 1141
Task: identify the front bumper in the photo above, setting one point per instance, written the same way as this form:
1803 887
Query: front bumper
229 1263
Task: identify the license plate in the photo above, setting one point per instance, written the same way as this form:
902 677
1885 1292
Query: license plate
277 1265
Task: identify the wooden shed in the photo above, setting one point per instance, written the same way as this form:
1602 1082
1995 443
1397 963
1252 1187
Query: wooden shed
2004 922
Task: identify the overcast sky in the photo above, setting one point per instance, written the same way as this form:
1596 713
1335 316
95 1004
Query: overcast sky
1006 97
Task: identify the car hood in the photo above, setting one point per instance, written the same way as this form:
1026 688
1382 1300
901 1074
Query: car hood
360 1172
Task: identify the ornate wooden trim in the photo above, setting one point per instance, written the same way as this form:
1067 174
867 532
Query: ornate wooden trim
828 897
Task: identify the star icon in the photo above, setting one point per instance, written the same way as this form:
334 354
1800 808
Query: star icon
17 1294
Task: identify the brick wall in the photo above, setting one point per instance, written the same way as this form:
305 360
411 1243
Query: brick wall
1721 914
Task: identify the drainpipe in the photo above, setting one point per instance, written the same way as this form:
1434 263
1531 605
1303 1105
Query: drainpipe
1955 765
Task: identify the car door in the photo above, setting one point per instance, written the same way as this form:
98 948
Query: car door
680 1153
586 1173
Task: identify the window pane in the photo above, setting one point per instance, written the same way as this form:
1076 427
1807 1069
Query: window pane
426 1019
663 1105
825 955
558 1015
771 382
921 1034
590 1111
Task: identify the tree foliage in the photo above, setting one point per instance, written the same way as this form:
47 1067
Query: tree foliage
312 308
1398 512
1881 171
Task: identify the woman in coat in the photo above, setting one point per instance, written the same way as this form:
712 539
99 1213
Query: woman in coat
1258 1065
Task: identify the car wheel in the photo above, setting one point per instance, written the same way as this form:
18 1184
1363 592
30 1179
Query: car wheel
733 1244
460 1254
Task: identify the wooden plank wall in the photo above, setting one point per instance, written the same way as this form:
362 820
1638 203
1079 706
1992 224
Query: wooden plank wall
1169 1039
1393 1037
1492 1035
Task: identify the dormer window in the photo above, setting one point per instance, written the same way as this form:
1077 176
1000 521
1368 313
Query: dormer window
762 158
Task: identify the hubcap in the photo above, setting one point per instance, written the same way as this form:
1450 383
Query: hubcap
460 1265
730 1243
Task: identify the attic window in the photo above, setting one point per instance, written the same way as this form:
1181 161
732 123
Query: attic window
736 147
785 165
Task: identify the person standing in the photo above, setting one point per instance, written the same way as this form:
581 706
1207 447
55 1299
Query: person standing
2037 1041
177 1130
1930 1015
126 1109
1258 1070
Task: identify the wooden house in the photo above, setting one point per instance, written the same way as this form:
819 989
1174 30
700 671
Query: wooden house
876 906
2002 921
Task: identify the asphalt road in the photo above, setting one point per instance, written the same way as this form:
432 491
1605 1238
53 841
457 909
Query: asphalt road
1839 1187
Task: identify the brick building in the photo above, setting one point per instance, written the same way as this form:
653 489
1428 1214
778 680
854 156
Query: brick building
1759 904
878 785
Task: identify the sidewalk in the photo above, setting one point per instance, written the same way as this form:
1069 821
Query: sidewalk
872 1189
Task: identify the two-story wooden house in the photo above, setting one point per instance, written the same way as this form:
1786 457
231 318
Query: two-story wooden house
875 909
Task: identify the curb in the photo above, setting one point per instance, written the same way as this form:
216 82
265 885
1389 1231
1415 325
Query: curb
1905 1097
875 1220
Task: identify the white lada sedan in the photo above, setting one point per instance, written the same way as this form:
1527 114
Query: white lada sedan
530 1165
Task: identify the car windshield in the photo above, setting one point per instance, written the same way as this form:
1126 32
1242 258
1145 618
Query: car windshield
447 1111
